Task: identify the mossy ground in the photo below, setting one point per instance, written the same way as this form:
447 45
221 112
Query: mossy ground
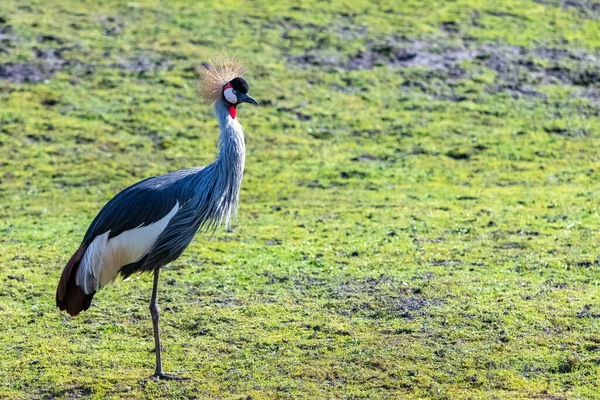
419 214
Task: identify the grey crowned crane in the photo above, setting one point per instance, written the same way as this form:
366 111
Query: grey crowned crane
150 223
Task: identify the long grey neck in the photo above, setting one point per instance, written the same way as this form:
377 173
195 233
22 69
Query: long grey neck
229 165
232 147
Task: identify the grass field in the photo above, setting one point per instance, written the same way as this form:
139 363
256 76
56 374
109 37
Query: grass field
419 214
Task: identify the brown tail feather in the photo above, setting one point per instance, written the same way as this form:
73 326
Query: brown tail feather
69 296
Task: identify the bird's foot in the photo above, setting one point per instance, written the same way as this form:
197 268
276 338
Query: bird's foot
165 377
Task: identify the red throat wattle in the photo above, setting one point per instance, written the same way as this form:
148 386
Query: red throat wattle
232 107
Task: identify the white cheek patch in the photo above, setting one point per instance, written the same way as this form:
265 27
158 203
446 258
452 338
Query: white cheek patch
230 96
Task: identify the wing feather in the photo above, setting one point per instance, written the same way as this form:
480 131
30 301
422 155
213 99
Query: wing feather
176 237
129 225
139 205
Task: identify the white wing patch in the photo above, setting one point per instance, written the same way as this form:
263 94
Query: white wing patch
105 257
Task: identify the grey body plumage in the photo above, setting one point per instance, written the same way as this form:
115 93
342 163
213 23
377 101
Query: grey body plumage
152 222
207 197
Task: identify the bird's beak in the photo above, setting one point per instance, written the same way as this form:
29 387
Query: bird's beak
244 98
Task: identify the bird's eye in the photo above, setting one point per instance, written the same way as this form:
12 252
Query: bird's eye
230 95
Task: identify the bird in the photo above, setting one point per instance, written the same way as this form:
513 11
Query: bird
150 223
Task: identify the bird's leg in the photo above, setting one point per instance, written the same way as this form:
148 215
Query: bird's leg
155 312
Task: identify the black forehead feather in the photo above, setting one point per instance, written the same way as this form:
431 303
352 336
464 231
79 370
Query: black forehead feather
239 85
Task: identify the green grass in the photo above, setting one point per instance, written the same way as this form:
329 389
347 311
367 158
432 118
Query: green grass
407 231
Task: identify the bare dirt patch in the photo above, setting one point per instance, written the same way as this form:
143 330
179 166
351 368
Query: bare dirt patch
436 65
400 52
142 64
52 54
45 64
392 51
518 66
377 297
8 39
510 62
